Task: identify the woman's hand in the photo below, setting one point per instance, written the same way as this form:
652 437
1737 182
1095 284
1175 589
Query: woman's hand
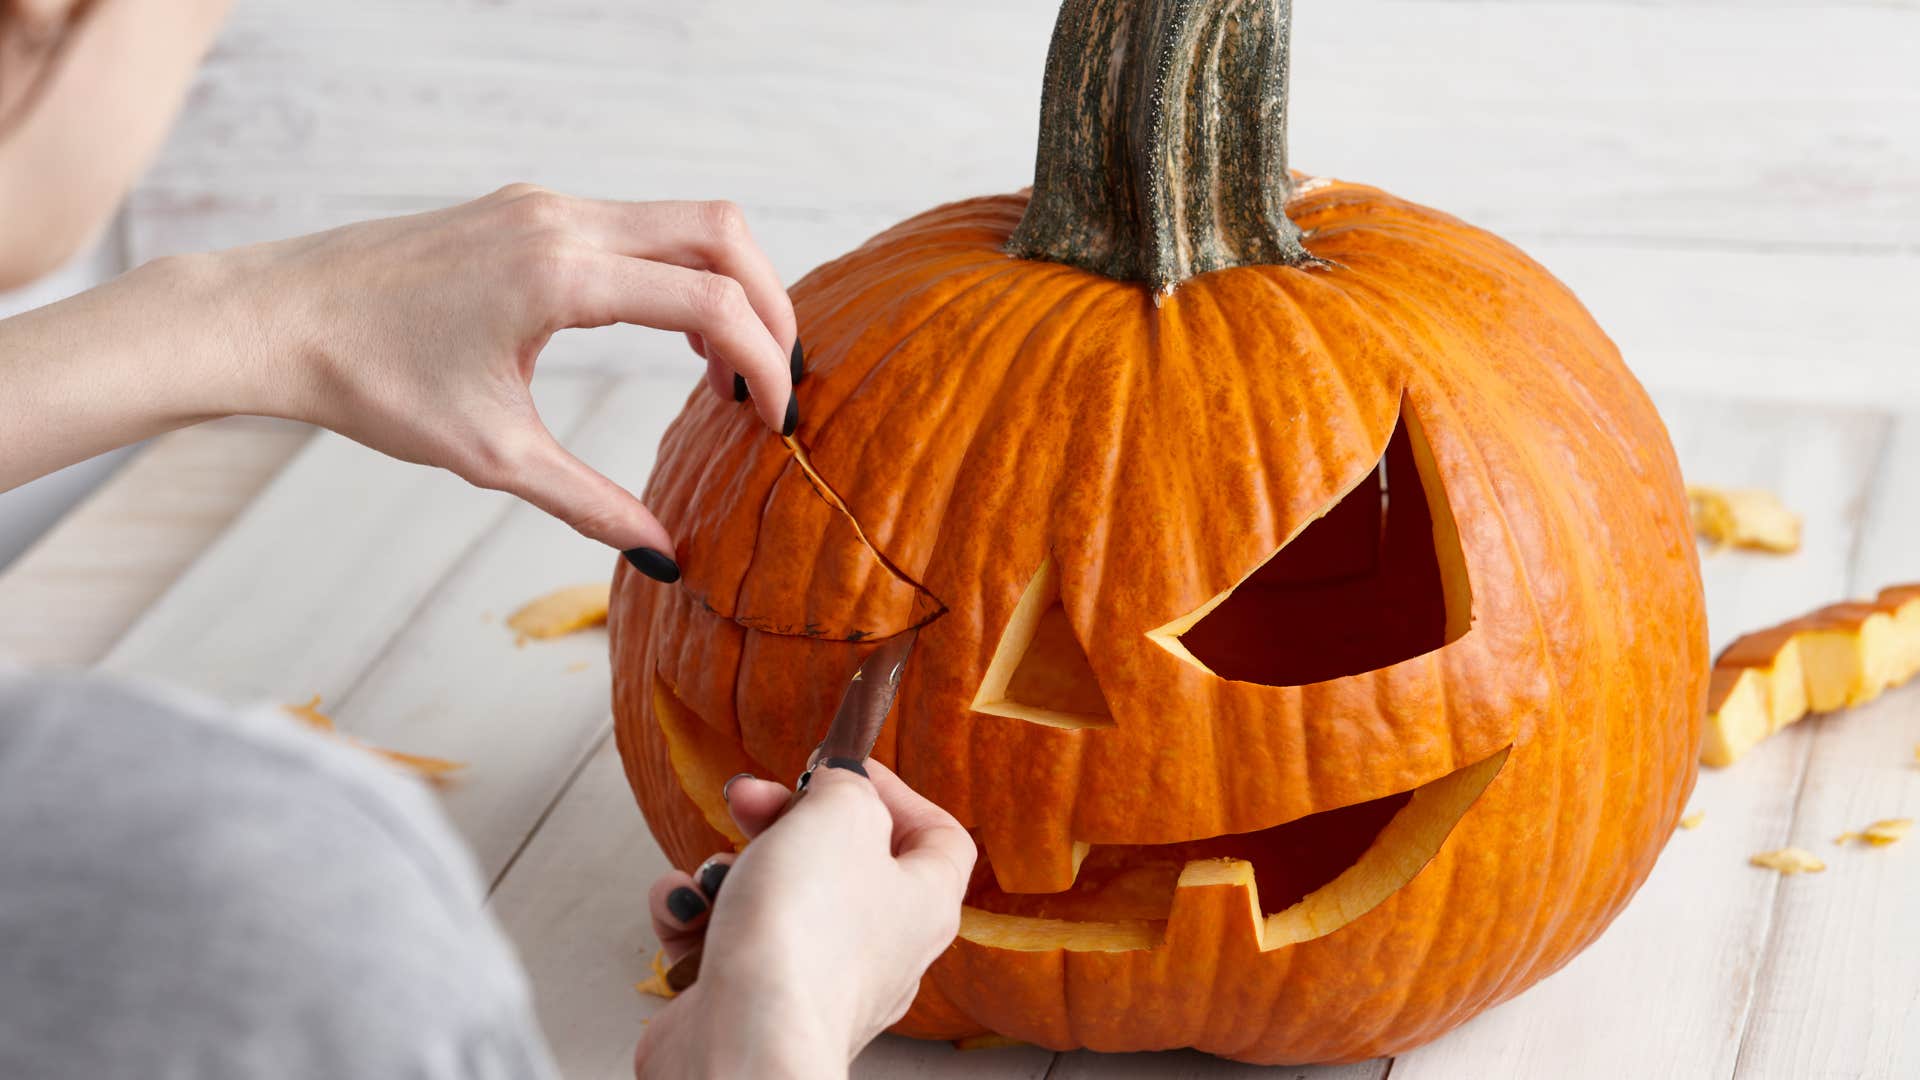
415 335
818 941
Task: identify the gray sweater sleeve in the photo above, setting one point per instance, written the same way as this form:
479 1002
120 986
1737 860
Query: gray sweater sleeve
189 892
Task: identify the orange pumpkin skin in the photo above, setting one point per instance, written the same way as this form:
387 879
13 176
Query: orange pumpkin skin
981 414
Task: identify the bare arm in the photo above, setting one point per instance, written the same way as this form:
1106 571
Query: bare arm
414 335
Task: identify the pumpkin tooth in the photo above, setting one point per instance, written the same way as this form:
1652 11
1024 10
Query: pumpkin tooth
1024 863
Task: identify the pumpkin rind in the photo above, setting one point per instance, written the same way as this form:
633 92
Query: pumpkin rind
982 428
980 414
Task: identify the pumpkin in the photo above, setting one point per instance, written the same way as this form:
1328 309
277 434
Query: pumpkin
1310 630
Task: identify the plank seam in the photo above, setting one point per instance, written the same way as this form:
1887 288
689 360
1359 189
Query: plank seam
1770 930
560 793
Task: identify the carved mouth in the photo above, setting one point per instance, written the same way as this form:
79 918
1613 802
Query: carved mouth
1304 879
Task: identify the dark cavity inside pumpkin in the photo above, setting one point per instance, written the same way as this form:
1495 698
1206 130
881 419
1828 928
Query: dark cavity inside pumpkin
1123 882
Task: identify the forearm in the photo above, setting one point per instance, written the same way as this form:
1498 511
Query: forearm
159 348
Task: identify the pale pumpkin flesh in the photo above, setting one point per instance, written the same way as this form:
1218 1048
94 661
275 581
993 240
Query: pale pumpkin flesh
1838 657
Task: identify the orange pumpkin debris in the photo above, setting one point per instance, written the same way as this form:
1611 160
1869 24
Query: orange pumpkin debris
1837 657
1788 861
561 612
431 769
1744 518
1879 834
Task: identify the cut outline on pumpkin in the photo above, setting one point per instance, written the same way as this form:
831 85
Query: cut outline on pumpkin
1455 589
996 695
926 608
1397 855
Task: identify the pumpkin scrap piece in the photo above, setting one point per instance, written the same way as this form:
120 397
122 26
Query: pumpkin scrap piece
1693 820
1879 834
431 769
1743 518
562 612
1838 657
1789 860
656 984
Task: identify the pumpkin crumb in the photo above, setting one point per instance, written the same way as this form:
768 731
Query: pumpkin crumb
1840 656
1693 820
656 984
578 666
1749 518
434 770
1789 861
1879 834
561 612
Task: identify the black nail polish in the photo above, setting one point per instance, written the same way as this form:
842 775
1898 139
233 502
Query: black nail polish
739 388
792 423
653 564
846 763
710 877
799 362
685 904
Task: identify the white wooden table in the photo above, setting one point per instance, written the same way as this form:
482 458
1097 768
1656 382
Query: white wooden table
381 587
1733 189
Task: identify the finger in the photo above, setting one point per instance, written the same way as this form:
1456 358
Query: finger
710 875
925 836
698 344
754 803
720 380
843 800
679 912
700 236
544 473
613 288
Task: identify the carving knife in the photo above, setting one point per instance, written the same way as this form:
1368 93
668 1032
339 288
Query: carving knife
862 713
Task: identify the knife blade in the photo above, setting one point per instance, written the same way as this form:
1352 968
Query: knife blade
856 726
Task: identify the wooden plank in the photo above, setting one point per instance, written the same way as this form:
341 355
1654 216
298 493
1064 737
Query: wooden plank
68 598
1666 990
575 905
1839 993
1604 120
453 684
318 574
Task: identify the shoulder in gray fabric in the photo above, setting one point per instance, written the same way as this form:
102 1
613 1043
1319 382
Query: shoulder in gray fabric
189 892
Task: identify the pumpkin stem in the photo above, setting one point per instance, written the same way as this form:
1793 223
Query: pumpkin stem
1163 141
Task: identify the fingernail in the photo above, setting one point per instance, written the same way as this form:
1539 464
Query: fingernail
792 423
710 877
726 789
739 388
653 564
799 362
685 904
846 763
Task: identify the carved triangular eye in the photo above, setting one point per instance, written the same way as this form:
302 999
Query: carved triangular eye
1377 578
1040 671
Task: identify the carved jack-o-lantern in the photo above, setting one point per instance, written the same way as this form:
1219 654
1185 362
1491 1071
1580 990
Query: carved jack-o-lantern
1315 649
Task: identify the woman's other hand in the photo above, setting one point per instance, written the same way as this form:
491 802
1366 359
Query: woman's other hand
417 335
820 936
